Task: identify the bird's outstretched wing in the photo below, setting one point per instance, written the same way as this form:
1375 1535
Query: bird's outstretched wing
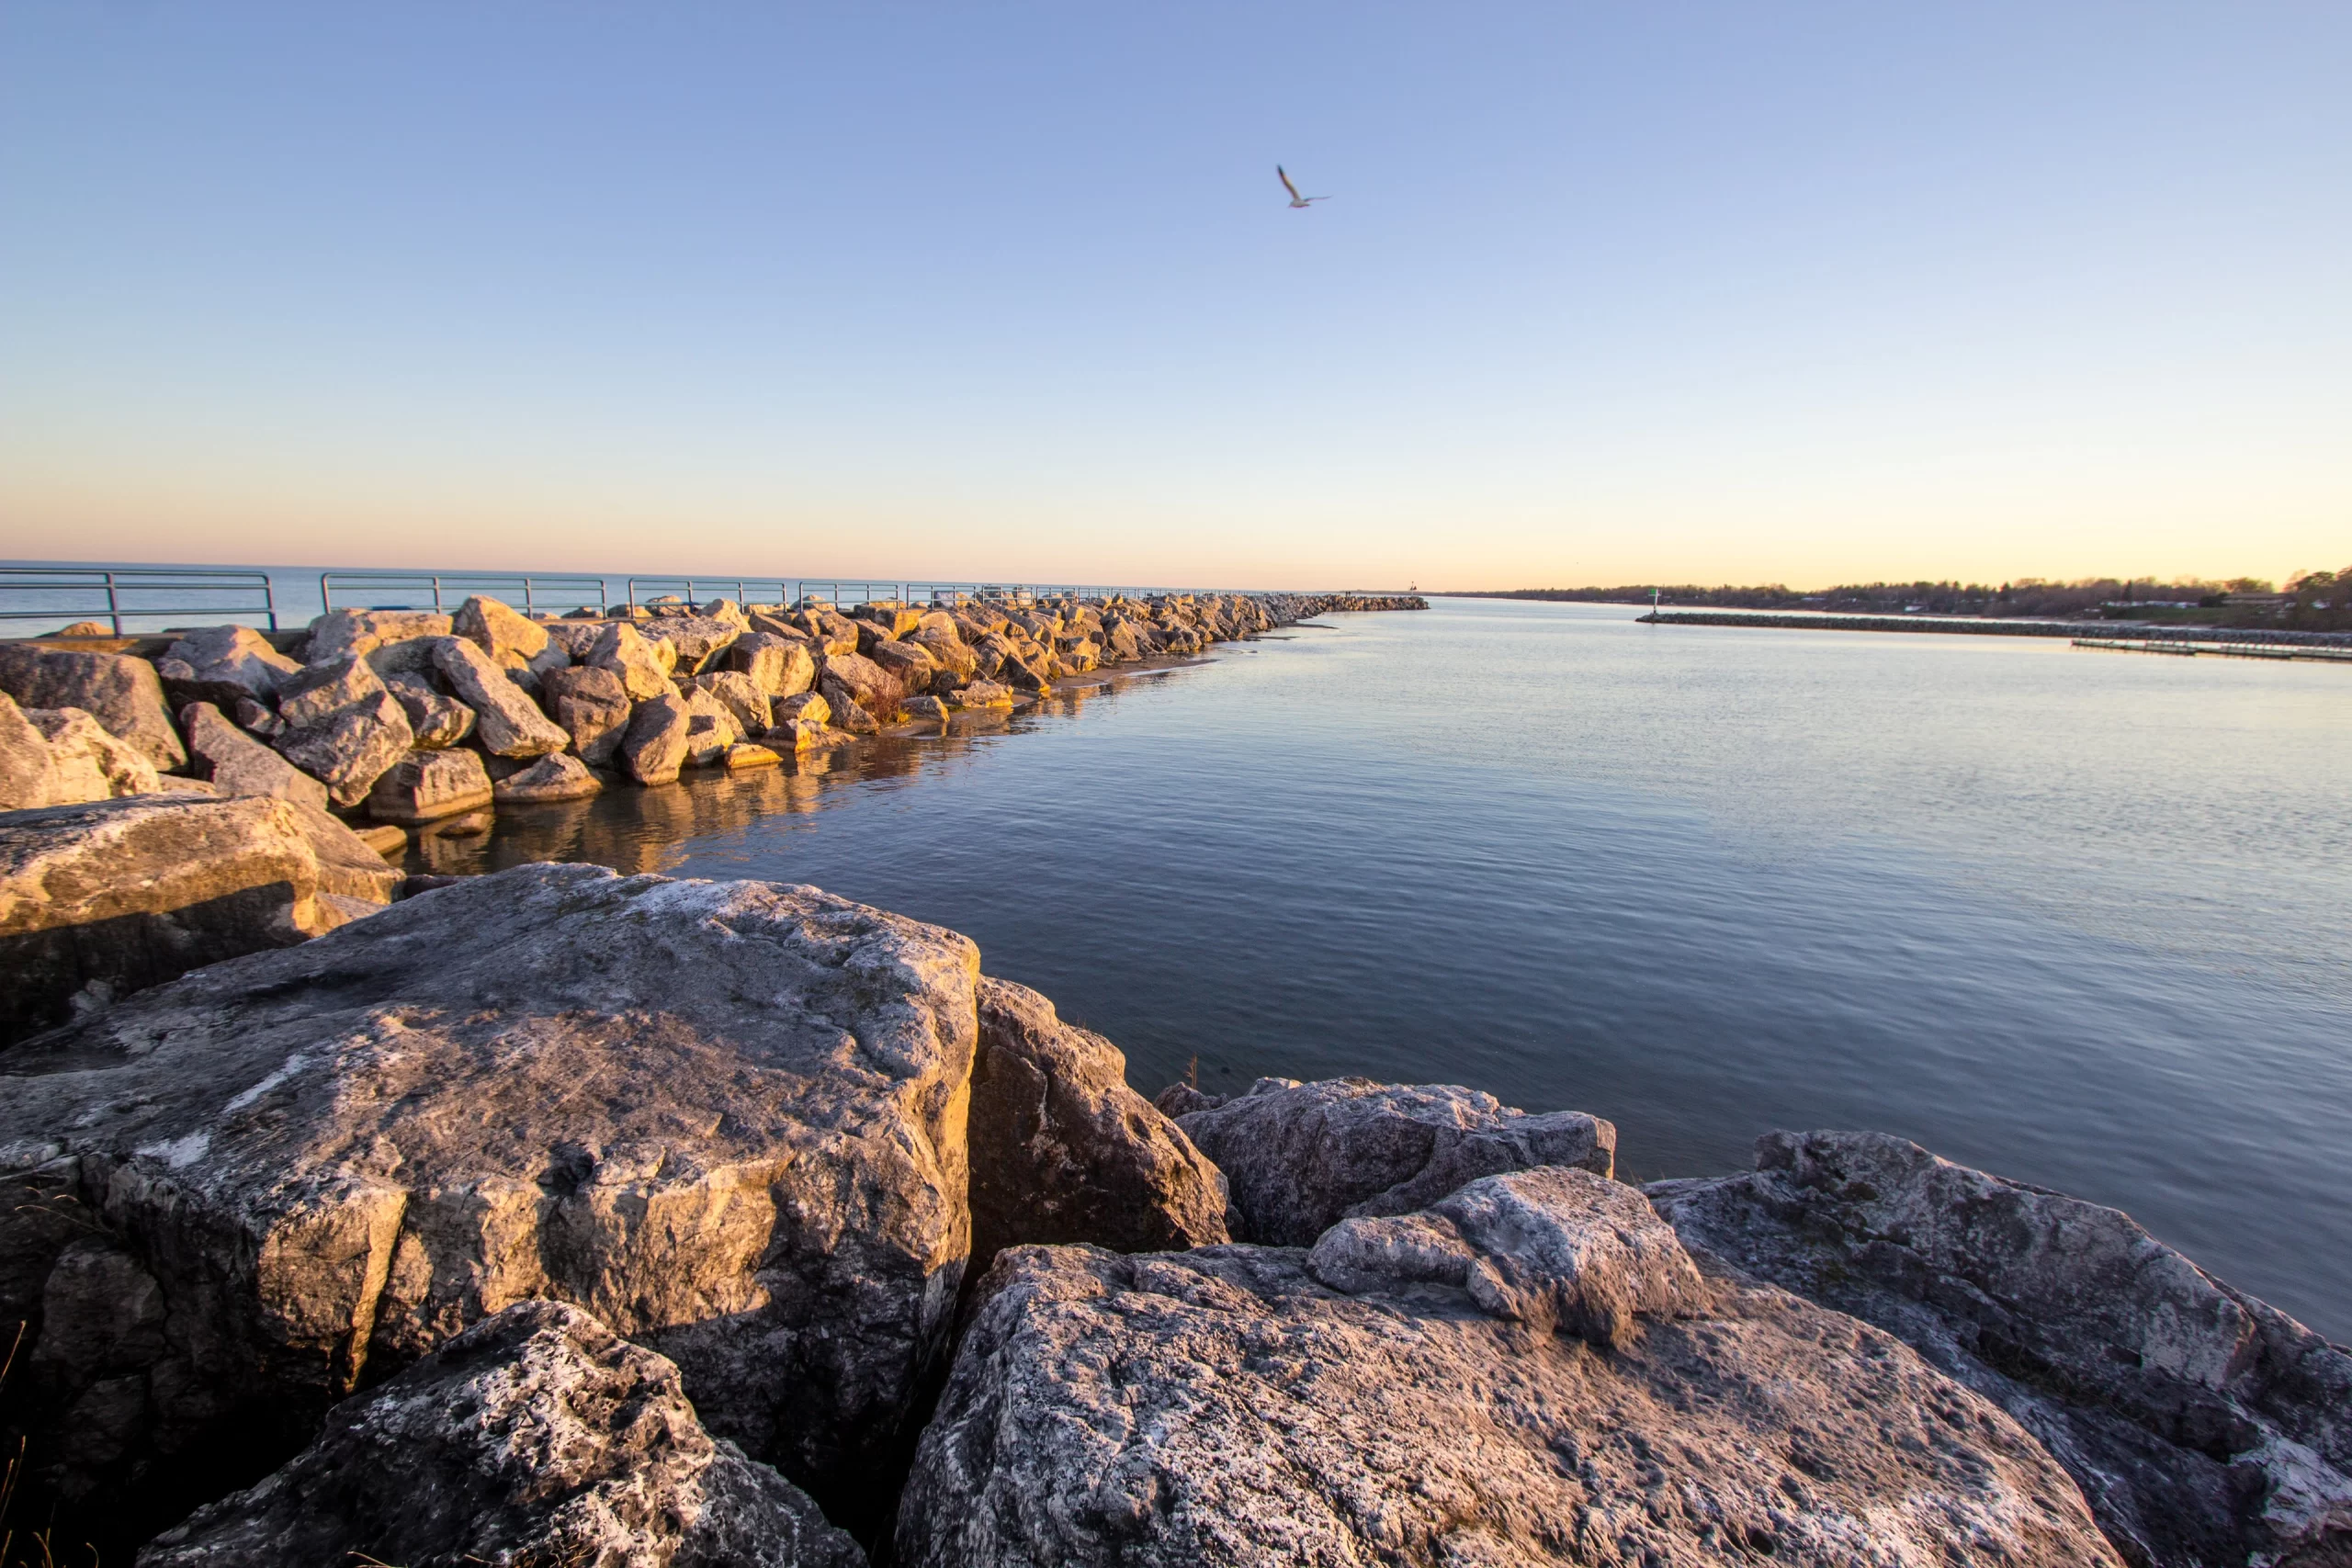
1286 185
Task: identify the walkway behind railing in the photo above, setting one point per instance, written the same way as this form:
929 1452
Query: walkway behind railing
113 594
134 599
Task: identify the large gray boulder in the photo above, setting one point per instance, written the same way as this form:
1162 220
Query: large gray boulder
238 764
1064 1151
778 666
1301 1158
114 895
122 692
537 1436
425 786
702 640
509 723
220 664
2205 1427
726 1118
636 661
342 728
654 748
592 706
1227 1405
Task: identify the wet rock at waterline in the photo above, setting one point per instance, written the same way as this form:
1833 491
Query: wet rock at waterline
2205 1427
1064 1151
537 1436
550 778
727 1117
1301 1158
1226 1406
122 692
654 746
425 786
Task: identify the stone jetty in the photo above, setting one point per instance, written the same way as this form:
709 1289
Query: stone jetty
133 847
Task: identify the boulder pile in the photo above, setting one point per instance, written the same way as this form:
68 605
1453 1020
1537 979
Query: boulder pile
378 725
559 1215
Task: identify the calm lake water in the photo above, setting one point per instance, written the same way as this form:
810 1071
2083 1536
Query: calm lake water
2077 918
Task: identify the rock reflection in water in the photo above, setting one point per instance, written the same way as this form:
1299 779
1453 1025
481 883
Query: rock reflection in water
649 830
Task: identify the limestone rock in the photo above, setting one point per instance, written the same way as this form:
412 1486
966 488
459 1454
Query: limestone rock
1221 1405
239 764
811 707
779 667
577 639
741 696
700 640
2205 1427
593 708
387 839
499 631
654 747
911 669
945 649
352 872
1301 1158
425 786
27 768
850 678
537 1436
710 729
110 897
91 764
343 728
437 722
391 641
560 777
726 1118
1062 1150
981 694
120 691
509 722
219 664
257 718
1555 1247
624 651
749 754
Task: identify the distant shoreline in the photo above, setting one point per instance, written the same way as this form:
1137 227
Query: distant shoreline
2144 631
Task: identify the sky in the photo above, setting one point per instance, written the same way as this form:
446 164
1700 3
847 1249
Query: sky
1602 293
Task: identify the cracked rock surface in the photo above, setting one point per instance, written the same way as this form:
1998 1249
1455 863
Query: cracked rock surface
726 1118
1227 1405
2206 1427
537 1436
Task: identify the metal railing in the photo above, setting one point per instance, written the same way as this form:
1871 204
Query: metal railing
572 590
116 594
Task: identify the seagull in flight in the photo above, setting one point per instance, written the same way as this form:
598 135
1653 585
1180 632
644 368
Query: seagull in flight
1297 200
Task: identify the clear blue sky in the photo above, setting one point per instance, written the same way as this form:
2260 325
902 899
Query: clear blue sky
1602 293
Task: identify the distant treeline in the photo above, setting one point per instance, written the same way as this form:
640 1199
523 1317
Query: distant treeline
2315 600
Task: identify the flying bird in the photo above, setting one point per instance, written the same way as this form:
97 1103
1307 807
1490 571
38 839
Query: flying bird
1297 200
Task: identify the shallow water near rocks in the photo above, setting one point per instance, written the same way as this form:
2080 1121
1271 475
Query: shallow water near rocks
2077 918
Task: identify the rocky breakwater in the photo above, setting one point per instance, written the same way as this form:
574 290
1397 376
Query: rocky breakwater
376 724
561 1215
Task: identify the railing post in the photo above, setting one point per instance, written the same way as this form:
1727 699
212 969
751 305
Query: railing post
436 596
528 607
114 606
269 600
326 593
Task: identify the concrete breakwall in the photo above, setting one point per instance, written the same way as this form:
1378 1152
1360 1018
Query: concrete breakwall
1960 625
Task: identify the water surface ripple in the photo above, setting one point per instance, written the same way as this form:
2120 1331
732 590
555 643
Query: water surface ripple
2078 918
